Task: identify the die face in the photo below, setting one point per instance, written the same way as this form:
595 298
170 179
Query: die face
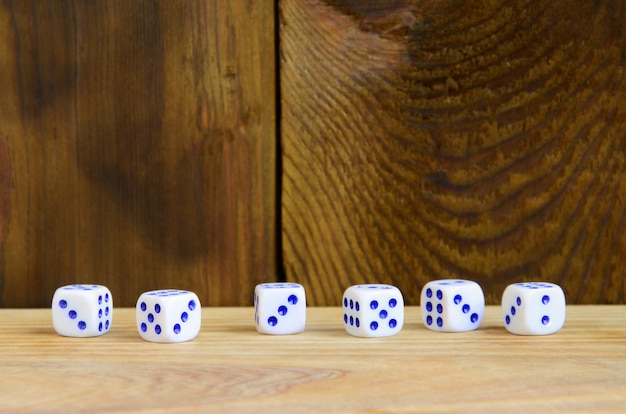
533 308
452 305
82 310
168 316
373 310
279 308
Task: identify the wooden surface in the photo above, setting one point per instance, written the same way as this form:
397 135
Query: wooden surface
434 139
137 148
229 367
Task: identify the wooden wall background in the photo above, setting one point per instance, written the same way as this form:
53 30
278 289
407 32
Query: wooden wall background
151 144
443 138
138 147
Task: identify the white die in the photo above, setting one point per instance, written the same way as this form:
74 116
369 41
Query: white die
279 308
452 305
373 310
82 310
168 315
533 308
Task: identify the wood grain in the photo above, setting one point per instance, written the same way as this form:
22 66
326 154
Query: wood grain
231 368
445 139
140 142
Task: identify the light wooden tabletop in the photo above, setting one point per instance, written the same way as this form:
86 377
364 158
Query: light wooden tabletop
229 367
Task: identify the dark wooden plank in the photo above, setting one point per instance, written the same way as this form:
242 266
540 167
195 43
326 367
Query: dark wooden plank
140 142
5 201
445 139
